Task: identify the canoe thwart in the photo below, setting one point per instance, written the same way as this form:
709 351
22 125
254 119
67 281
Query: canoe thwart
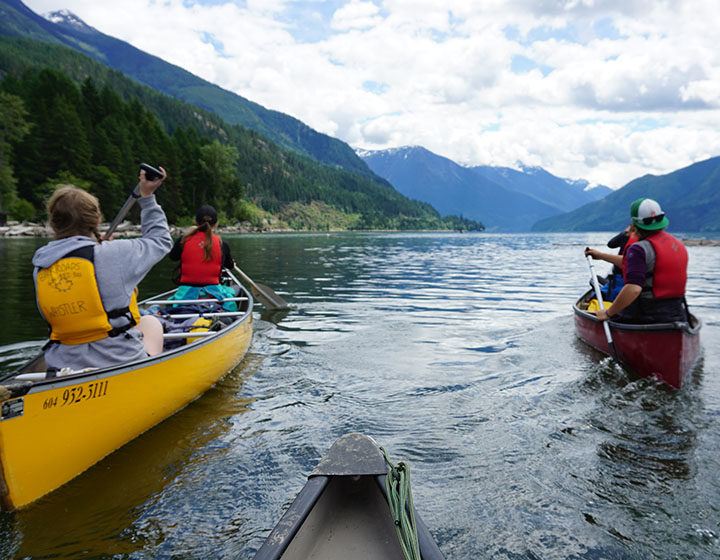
202 314
181 335
51 373
188 301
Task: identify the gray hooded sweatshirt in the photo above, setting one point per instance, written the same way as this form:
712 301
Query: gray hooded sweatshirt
120 265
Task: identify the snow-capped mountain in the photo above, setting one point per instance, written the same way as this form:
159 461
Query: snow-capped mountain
503 198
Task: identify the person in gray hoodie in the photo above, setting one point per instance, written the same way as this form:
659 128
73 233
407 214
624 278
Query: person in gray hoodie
85 286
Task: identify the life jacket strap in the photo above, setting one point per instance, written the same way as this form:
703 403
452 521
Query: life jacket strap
121 312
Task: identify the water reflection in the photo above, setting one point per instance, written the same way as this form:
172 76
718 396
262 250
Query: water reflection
642 476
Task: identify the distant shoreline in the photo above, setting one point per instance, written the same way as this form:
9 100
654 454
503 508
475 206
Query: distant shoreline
127 229
701 242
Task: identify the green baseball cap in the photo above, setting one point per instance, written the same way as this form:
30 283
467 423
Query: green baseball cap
647 214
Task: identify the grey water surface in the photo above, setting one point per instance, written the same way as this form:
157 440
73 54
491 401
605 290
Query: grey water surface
457 353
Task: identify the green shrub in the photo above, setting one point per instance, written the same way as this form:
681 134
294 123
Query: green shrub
246 211
185 221
22 210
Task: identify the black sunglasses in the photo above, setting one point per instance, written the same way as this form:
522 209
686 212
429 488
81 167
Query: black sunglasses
651 219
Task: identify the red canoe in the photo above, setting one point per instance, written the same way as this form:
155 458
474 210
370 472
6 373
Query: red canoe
667 351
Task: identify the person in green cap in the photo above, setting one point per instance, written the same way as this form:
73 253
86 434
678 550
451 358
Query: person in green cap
654 268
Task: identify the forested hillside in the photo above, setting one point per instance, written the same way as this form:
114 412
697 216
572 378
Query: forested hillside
17 20
68 118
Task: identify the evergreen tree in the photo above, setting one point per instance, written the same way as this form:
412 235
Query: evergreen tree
66 143
189 170
218 164
13 126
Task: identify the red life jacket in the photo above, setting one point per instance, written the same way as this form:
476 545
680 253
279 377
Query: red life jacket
671 261
631 239
194 271
671 258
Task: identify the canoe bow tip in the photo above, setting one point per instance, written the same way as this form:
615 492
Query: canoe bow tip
352 454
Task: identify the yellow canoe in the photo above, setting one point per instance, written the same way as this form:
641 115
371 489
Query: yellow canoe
53 429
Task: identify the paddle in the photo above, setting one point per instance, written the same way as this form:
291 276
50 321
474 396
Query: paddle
150 174
601 305
262 293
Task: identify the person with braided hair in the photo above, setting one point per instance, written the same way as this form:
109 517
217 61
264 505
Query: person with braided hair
203 256
86 286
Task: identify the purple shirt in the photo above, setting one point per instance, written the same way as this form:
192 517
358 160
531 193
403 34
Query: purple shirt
635 267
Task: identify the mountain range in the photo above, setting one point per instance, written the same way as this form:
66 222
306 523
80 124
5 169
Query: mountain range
504 199
690 197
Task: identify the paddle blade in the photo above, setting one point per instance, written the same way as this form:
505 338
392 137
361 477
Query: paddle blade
268 297
262 293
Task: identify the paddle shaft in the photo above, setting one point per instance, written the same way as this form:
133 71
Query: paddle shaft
601 305
264 294
134 195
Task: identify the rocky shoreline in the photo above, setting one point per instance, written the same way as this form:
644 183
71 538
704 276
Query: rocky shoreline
125 229
701 242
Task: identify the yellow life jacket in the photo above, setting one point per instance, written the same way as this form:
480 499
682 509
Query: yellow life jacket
69 300
593 305
200 325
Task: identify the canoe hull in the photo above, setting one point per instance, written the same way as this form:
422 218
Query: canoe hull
665 351
343 512
62 426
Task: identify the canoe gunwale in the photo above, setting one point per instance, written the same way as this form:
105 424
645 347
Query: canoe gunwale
429 549
290 523
675 326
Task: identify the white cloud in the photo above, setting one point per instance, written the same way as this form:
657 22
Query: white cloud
356 15
620 88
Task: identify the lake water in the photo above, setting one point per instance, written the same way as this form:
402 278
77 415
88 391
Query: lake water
457 353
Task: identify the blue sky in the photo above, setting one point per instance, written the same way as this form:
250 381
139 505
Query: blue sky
603 90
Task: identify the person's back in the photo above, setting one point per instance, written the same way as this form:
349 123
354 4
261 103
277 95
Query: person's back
85 287
658 263
654 269
202 255
200 259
